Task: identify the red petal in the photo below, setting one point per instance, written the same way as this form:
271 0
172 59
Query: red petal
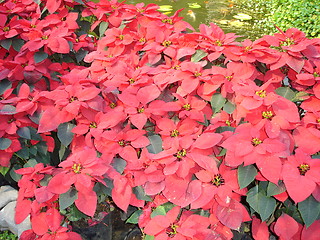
148 93
260 229
60 183
207 140
286 227
39 223
231 216
23 209
87 202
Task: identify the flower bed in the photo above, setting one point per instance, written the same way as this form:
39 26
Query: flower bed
194 132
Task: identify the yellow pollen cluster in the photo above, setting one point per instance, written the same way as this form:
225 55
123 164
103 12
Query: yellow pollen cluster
6 29
72 99
167 20
287 42
172 230
174 133
45 37
112 105
142 40
228 122
197 74
247 48
303 168
182 153
76 168
218 43
256 141
121 37
93 125
176 67
187 107
166 43
261 93
140 110
131 81
316 74
229 78
267 114
217 180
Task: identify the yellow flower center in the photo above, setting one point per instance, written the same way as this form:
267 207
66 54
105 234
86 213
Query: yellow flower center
303 168
187 107
76 168
166 43
172 230
167 20
217 180
256 141
267 114
182 153
229 78
93 125
72 99
218 43
197 74
174 133
287 42
112 105
261 93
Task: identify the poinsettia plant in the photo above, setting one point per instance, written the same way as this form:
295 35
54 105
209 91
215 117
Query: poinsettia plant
199 135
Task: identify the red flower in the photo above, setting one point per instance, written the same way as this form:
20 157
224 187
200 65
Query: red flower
300 174
82 169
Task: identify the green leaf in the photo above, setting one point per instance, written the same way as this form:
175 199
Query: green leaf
119 164
40 56
24 132
198 55
80 55
229 107
79 1
6 43
5 85
140 194
8 110
68 198
4 170
64 133
148 237
134 218
274 189
217 102
246 175
224 129
16 177
309 209
31 163
160 210
102 28
5 143
17 44
155 144
262 204
286 92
